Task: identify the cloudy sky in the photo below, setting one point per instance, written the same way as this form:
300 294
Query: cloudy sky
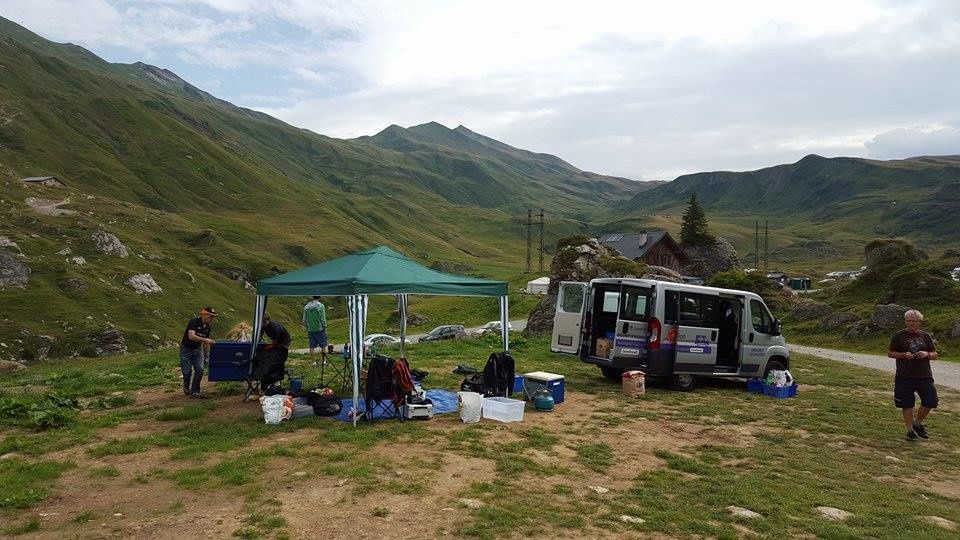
643 89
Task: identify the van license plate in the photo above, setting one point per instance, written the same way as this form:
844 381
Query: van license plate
630 352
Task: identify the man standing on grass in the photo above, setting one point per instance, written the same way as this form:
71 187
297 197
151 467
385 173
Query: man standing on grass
315 321
194 348
280 344
913 349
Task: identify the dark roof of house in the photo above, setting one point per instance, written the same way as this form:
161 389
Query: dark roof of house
629 244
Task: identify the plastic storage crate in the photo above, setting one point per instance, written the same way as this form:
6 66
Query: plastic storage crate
518 384
755 385
780 392
503 409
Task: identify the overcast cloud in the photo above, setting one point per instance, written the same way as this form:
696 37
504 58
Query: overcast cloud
647 90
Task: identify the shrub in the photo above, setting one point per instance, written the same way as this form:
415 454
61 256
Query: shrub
49 411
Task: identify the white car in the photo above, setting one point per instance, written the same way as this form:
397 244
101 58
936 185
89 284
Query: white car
382 339
491 327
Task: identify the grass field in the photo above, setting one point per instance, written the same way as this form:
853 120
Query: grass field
108 447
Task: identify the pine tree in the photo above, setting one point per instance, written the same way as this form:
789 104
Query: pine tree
693 228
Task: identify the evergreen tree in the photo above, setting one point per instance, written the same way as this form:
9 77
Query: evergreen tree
693 227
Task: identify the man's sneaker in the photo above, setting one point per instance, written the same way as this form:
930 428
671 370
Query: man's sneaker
921 431
912 436
198 395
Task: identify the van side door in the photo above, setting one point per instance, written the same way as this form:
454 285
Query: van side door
568 317
759 335
698 320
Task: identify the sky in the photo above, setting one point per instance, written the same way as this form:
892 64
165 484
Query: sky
643 89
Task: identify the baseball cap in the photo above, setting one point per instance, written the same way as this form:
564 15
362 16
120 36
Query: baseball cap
209 310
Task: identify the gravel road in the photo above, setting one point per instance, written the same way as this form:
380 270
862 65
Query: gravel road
517 326
945 373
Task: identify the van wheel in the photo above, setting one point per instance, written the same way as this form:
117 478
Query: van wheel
772 365
613 374
683 383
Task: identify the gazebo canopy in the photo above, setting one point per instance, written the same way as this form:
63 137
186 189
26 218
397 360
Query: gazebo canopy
379 270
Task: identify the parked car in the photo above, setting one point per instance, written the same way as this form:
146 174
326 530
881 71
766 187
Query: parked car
491 327
447 331
382 339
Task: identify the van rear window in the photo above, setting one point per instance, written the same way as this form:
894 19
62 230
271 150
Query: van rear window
635 304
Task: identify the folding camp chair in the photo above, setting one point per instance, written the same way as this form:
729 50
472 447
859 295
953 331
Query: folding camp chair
380 392
336 373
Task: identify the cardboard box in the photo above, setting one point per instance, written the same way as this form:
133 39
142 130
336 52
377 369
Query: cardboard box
604 348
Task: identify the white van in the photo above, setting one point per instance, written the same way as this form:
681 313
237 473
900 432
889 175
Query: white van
667 329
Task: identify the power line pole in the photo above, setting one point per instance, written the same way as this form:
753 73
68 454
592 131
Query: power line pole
541 239
756 245
766 244
529 227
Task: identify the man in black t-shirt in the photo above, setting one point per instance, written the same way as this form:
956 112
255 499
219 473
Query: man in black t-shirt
194 347
913 350
280 343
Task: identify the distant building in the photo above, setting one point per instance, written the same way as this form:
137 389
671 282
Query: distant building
538 286
779 277
655 248
49 181
800 283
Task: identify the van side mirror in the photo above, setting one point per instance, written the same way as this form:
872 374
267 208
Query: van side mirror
777 327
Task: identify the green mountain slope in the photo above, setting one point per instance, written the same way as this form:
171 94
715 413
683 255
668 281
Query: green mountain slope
821 210
206 195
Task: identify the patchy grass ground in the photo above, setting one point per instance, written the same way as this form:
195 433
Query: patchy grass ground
119 452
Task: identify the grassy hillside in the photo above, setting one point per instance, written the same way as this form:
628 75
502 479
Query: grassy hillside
821 211
207 195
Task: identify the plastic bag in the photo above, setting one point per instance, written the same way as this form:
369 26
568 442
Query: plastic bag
471 405
275 408
780 378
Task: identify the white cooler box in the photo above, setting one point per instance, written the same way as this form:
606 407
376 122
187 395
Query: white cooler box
417 411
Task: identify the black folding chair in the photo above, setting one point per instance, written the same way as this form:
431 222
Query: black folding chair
380 391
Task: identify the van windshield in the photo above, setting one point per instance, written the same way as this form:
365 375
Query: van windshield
635 303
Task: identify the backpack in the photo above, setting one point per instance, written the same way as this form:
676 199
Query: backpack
473 383
324 405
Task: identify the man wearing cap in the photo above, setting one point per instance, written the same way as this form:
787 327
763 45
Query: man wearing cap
194 347
280 345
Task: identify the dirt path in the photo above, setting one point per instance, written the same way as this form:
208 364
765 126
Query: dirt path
945 373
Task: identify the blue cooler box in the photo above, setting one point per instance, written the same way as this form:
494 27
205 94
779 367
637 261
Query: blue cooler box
229 361
551 381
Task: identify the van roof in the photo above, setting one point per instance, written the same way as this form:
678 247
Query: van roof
674 286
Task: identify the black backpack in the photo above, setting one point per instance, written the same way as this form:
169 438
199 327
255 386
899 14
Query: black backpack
324 405
473 383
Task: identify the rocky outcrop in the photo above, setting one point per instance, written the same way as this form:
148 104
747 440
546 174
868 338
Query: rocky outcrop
13 272
806 310
9 365
584 259
888 316
711 259
860 329
144 284
109 243
837 320
891 253
110 343
8 243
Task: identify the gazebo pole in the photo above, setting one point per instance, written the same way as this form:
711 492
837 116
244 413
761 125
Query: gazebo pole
505 322
402 308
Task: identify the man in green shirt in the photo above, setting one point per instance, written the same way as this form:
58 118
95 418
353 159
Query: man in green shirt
315 321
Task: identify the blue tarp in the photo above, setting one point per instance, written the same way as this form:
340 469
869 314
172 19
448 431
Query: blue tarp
444 401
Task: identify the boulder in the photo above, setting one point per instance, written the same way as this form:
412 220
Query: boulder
954 331
110 343
738 511
109 243
8 243
413 319
72 284
711 259
834 514
144 284
13 272
891 253
807 310
860 329
888 316
9 365
836 320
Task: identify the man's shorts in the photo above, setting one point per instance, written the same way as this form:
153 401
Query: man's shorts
905 388
318 339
